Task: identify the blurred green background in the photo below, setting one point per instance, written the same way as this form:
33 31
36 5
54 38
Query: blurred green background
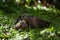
48 10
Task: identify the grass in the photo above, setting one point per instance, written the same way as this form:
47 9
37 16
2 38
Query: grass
8 19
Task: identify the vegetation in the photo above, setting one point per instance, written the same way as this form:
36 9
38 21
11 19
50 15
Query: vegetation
11 10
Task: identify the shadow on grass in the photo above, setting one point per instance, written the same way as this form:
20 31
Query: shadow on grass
50 15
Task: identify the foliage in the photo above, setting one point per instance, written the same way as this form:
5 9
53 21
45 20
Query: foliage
9 12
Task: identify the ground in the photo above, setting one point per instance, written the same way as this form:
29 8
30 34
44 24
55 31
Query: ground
7 21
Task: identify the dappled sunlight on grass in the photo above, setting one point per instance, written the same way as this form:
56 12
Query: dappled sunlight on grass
49 14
